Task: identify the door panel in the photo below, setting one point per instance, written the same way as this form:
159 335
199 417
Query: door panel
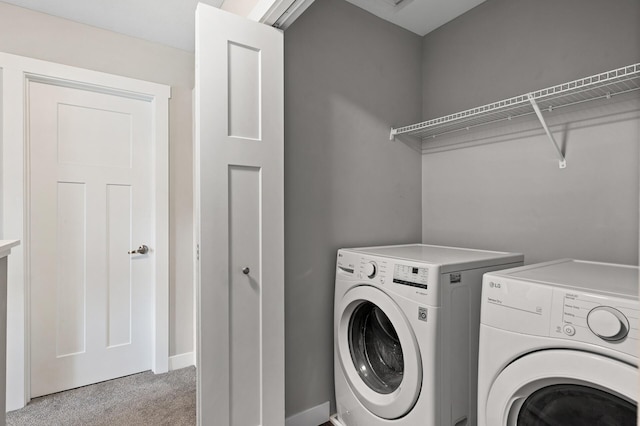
90 202
119 283
106 127
71 274
240 191
244 294
244 91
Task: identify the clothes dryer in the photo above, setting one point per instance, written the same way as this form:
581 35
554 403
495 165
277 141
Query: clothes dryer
406 333
558 345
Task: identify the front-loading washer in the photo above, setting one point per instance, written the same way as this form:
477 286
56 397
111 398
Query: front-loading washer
406 333
559 345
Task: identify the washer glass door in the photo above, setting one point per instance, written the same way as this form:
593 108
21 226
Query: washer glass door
375 348
378 351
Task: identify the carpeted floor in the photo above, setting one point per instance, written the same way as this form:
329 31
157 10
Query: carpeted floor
137 400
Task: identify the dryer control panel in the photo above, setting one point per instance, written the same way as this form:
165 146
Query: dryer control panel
543 310
590 315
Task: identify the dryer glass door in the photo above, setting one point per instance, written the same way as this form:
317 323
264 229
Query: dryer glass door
563 387
375 348
575 405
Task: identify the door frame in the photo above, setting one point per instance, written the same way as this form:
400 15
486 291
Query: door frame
15 74
278 13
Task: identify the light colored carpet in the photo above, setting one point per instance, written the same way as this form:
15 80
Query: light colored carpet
140 399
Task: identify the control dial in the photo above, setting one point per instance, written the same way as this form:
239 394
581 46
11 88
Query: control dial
370 269
608 323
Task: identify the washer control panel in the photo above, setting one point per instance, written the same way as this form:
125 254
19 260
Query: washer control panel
406 278
370 269
413 276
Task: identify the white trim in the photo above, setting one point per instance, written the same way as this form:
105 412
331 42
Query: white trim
160 359
278 13
6 246
179 361
16 72
313 416
195 229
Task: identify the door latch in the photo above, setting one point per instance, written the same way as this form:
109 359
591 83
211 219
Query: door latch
143 249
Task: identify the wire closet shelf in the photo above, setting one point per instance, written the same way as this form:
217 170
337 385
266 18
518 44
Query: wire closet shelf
604 85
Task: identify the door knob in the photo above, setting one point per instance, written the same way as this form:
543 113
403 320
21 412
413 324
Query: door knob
143 249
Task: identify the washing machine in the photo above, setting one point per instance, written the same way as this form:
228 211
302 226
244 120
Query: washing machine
559 345
406 333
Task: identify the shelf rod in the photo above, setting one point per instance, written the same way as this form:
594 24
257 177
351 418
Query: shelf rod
562 162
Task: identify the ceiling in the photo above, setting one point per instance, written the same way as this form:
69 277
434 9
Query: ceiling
171 22
418 16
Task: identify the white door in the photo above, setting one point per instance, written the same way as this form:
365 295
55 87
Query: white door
90 202
239 179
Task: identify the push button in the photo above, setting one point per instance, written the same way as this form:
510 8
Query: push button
422 314
569 330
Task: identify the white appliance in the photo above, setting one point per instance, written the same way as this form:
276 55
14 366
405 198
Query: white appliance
559 345
406 333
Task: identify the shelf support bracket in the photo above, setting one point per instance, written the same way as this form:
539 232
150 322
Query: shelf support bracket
562 161
392 134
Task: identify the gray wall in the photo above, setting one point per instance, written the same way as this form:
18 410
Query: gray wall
505 191
348 77
37 35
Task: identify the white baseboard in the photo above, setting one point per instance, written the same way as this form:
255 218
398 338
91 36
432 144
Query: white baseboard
314 416
177 362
